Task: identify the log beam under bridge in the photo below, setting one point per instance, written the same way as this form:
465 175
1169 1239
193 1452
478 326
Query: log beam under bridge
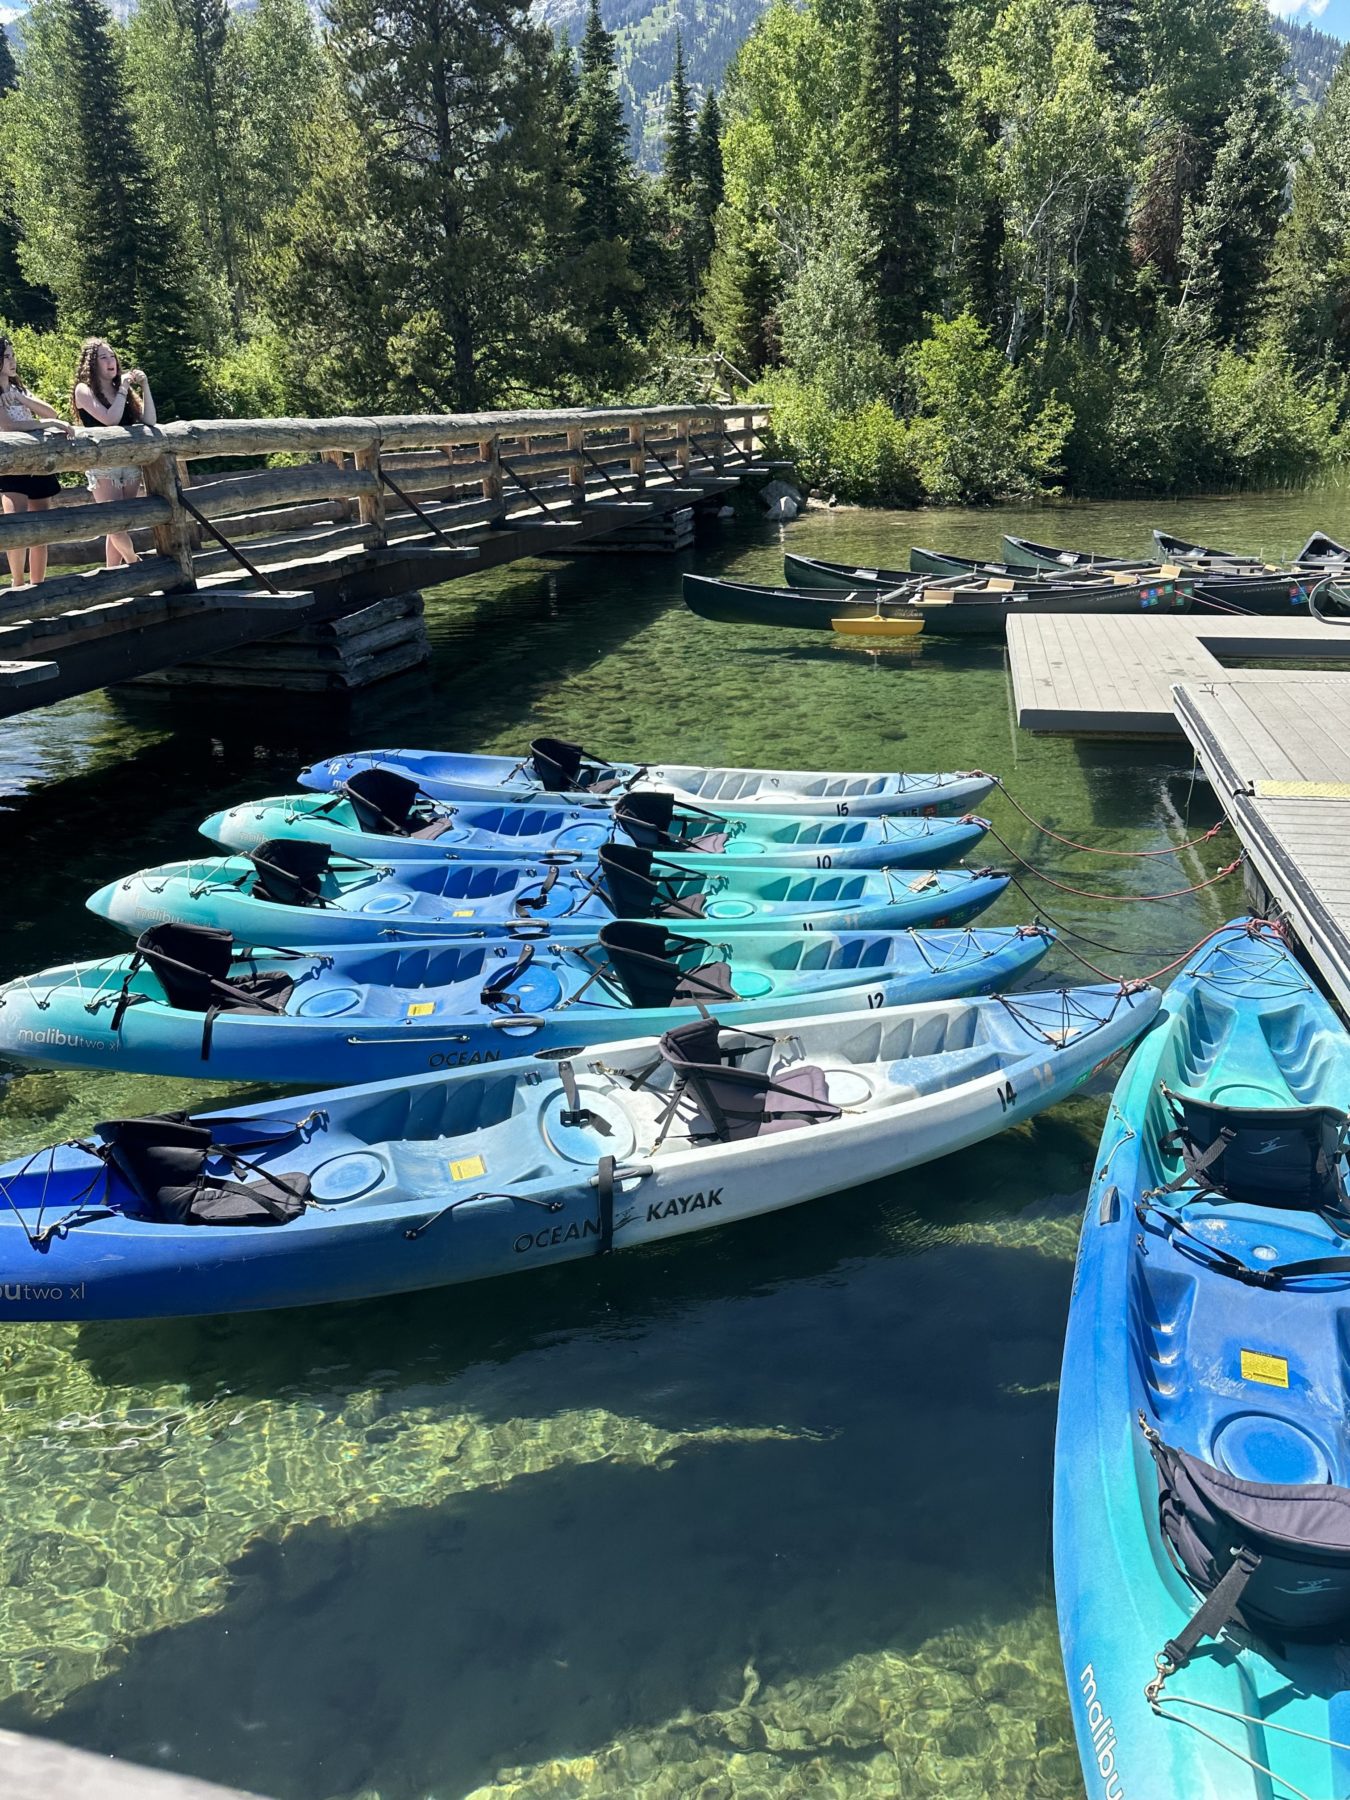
311 514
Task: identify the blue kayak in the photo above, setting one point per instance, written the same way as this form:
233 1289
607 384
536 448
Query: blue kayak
555 767
452 1177
294 892
187 1003
380 813
1202 1462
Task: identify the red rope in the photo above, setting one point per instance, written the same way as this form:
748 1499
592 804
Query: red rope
1256 929
1089 894
1096 850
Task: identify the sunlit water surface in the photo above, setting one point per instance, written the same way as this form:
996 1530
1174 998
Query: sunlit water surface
762 1514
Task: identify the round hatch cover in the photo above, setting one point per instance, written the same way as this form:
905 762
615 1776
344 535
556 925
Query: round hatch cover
347 1177
1258 1447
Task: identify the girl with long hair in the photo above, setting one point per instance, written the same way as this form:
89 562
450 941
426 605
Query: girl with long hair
103 395
21 411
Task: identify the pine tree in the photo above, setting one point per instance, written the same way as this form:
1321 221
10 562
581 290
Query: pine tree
709 176
125 273
677 159
1115 26
901 126
604 170
21 303
1313 254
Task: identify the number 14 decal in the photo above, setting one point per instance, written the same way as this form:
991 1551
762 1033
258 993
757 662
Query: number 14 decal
1007 1095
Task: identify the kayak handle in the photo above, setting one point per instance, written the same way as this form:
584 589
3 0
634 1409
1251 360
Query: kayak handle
507 1021
1109 1210
638 1172
559 857
441 1037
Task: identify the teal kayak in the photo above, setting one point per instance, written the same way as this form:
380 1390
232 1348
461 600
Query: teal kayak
471 1173
295 892
1202 1460
381 813
187 1002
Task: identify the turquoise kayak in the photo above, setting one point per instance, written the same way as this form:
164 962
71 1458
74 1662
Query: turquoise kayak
188 1003
381 813
1202 1461
295 892
553 766
454 1177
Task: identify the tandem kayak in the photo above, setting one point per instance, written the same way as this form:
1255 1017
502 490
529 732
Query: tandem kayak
381 813
553 766
1202 1461
871 613
296 892
442 1178
186 1002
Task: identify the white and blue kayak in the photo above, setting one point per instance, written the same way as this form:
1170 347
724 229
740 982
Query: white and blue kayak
555 767
1202 1459
455 1177
381 813
295 892
187 1002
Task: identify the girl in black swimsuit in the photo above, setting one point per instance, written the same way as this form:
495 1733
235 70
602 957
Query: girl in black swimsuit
21 411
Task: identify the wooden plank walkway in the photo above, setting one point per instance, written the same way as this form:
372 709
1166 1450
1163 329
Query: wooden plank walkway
1112 674
1276 749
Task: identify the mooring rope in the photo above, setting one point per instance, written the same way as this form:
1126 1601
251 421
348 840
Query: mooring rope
1095 849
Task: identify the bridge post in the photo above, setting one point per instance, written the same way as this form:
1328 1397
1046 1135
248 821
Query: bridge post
174 540
576 463
637 454
489 452
748 438
682 450
338 460
371 506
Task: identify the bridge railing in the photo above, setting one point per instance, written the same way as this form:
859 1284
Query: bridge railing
458 470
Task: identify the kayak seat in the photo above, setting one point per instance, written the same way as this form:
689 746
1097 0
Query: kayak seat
388 804
1260 1156
734 1102
636 893
289 870
192 964
646 960
560 767
1294 1540
162 1158
647 817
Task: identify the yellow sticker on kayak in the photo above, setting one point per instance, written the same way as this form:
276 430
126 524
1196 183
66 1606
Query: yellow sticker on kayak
468 1169
462 913
1272 1370
420 1008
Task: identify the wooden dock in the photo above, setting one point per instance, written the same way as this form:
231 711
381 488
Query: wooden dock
1112 674
1276 749
367 509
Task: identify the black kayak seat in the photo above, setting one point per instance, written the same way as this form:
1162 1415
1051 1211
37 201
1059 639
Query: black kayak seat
560 767
743 1103
290 870
1297 1537
192 964
645 959
1262 1156
648 816
388 804
636 893
162 1158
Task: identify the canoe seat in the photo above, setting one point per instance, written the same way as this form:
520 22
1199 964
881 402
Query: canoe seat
735 1102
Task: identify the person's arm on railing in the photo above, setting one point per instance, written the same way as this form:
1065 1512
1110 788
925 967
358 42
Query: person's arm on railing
111 414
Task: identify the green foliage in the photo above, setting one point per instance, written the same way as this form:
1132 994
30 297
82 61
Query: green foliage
976 433
46 359
862 456
828 315
1313 252
1267 425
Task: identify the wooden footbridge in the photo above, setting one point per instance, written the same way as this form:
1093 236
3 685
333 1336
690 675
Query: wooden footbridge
325 517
